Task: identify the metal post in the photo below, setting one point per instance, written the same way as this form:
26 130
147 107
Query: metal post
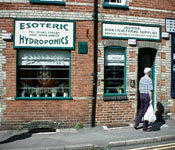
94 95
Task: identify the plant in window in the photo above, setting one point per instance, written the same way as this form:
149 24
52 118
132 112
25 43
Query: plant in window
119 89
23 93
32 91
54 92
37 92
65 93
45 92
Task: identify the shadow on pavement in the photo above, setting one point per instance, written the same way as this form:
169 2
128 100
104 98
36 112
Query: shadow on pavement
159 115
157 125
26 135
14 138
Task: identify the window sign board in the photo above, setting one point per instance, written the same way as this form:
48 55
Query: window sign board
131 31
44 58
170 25
114 58
44 34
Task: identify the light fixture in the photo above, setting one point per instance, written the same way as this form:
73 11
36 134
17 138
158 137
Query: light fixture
132 42
7 36
165 35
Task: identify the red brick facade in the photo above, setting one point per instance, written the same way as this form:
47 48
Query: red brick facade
79 109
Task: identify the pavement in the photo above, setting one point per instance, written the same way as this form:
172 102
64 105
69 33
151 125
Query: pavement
97 138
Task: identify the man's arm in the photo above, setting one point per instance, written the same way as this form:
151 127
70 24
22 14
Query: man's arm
150 96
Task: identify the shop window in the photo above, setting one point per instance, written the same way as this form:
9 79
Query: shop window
115 3
43 74
48 1
115 71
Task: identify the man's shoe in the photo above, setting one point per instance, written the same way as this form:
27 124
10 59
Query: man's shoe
136 127
148 130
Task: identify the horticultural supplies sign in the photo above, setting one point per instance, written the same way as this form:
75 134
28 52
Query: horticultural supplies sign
131 31
44 34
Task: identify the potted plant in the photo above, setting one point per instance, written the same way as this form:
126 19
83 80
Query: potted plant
37 91
54 92
119 89
23 93
65 90
31 92
45 93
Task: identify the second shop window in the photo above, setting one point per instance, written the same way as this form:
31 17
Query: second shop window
115 70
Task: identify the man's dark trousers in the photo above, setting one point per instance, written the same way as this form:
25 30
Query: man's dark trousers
145 100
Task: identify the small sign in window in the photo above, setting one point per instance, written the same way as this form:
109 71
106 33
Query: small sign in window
170 25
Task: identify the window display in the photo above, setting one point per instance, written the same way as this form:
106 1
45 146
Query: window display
43 73
114 70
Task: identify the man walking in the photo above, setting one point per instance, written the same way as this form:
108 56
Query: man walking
145 88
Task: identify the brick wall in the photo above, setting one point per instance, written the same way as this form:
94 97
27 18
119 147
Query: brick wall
68 112
79 109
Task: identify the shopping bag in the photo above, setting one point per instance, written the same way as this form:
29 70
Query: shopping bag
149 115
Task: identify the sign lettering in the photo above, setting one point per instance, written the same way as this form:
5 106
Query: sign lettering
129 31
40 34
170 25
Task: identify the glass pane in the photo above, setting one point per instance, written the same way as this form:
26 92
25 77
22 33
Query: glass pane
114 79
35 80
114 71
113 1
117 2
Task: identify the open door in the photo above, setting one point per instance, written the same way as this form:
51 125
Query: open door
146 58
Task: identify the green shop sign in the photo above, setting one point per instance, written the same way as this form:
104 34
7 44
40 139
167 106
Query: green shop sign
120 30
44 34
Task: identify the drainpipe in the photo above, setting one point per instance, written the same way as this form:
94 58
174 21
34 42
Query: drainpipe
94 94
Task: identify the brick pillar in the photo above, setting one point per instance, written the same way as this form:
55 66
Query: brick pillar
2 76
132 57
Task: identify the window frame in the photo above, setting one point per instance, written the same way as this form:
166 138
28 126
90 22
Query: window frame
115 5
123 2
61 2
124 51
172 66
42 98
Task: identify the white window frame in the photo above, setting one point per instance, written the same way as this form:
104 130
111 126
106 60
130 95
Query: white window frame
118 2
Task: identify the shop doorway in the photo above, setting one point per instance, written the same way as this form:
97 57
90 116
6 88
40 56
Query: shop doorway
146 58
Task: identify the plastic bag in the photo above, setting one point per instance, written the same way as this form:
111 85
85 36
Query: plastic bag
149 115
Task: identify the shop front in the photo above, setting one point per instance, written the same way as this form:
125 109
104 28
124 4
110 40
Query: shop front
43 58
126 49
50 69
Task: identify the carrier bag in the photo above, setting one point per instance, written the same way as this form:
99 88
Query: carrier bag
149 115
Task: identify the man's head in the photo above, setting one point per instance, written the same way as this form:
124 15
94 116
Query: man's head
147 70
